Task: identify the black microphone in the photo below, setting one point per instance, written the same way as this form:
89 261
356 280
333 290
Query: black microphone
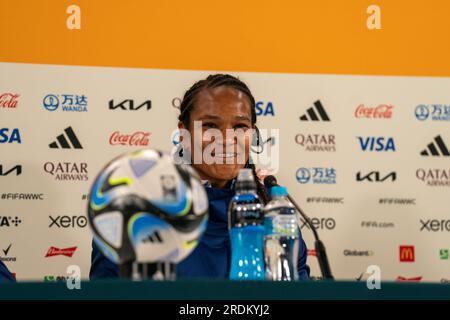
271 181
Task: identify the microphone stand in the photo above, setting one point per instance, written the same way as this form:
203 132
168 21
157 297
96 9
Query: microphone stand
318 244
135 271
271 181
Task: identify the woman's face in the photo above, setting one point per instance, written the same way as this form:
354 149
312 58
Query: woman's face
223 109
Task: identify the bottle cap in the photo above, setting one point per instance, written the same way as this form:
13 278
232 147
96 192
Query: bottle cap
278 191
245 175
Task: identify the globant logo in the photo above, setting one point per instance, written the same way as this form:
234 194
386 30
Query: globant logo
358 253
316 175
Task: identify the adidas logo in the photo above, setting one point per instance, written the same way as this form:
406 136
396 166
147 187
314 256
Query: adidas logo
155 237
62 141
436 148
311 114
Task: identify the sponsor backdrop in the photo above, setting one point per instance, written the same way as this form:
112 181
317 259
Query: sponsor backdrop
363 137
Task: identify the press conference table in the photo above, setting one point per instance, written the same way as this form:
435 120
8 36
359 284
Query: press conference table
223 290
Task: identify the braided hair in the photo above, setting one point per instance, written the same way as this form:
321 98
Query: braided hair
211 82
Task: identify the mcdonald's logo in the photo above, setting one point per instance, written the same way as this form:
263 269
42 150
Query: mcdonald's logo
407 254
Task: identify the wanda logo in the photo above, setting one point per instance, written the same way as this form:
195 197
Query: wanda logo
139 138
8 100
381 111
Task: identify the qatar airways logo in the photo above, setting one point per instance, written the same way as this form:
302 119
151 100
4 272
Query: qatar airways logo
382 111
434 177
138 138
317 142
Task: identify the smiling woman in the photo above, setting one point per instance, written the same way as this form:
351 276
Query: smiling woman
219 116
221 104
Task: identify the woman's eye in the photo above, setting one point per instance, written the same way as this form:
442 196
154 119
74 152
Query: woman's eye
209 125
241 126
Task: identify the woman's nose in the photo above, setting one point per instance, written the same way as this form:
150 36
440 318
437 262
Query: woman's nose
226 137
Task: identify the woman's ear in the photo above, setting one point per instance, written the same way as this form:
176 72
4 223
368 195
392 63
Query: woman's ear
183 153
185 136
181 127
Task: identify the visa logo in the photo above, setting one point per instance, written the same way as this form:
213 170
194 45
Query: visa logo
263 109
376 144
9 137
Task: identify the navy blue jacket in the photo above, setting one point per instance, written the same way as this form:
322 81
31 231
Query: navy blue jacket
211 258
5 275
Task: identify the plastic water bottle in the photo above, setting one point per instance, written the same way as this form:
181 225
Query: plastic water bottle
246 227
282 237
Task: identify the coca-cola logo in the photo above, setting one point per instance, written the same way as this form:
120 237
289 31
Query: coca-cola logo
383 111
67 252
9 100
139 138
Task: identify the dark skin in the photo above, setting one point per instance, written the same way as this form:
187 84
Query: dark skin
220 108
